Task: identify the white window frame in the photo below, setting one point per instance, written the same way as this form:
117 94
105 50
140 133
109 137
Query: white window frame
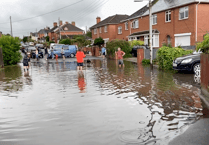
183 10
155 40
146 40
126 26
105 29
168 13
154 19
135 24
120 30
100 30
95 31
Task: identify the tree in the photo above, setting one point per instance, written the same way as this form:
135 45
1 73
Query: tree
25 39
136 43
98 41
81 40
89 34
47 38
65 41
10 47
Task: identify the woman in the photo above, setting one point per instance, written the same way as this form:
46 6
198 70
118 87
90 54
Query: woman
63 53
37 53
26 62
46 52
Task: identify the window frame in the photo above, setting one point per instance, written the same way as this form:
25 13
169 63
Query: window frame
119 29
126 26
105 29
95 31
134 24
169 16
153 17
100 30
184 9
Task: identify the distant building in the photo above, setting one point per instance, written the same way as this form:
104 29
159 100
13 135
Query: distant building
34 36
42 34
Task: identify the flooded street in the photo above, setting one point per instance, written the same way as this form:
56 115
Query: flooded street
104 105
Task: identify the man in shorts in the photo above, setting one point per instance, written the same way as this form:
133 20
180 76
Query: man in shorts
80 55
120 55
103 52
26 62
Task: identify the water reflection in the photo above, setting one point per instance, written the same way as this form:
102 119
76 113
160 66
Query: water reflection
135 104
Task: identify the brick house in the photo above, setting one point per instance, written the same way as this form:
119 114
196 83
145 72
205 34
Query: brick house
42 34
179 23
52 35
107 29
67 30
34 36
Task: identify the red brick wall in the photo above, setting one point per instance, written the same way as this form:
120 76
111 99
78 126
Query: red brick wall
71 33
204 71
202 21
140 55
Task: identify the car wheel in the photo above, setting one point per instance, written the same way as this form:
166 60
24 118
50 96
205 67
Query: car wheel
197 68
72 55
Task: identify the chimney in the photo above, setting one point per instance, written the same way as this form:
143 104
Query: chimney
73 23
60 23
98 19
55 24
66 22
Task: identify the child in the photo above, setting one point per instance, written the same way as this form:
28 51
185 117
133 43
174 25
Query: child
26 62
56 56
80 55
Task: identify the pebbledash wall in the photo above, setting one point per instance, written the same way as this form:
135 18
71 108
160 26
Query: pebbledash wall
174 28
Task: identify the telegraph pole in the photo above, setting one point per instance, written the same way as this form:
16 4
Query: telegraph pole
11 25
59 28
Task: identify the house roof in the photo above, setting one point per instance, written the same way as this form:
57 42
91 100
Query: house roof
110 20
161 5
52 29
34 34
43 31
68 27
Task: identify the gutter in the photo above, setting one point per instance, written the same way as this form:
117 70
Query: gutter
196 20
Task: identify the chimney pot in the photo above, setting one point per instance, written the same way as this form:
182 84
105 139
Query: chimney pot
60 22
73 23
55 24
66 22
98 19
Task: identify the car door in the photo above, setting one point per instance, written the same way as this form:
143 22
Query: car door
66 50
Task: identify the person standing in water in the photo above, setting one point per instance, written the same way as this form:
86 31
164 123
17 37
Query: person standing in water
37 54
26 62
46 52
120 55
103 52
63 53
80 55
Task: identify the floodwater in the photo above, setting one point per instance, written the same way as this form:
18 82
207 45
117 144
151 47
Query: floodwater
105 105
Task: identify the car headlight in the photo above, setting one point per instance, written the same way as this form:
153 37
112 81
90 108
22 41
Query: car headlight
186 60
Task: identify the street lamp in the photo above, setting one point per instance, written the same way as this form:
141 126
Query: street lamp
150 27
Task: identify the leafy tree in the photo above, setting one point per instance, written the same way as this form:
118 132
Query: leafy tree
10 47
98 41
47 38
204 45
65 41
25 39
81 40
89 34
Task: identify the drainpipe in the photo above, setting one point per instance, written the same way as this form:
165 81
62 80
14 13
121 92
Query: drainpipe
196 20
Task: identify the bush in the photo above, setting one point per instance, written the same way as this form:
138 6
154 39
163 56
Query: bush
136 43
65 41
113 45
166 55
204 45
98 41
145 61
10 47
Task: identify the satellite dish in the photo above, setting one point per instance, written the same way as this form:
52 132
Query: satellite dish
171 3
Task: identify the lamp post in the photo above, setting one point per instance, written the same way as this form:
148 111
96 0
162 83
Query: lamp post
150 28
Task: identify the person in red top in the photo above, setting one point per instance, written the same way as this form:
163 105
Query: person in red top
80 55
120 55
81 82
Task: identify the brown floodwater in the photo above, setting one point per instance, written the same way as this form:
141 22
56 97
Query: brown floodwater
104 105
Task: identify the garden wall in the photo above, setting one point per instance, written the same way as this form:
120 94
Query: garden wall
205 75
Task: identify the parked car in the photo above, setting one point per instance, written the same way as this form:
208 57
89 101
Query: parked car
189 62
31 43
40 46
134 50
32 52
70 50
24 48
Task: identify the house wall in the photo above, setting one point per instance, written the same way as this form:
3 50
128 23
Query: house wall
71 33
202 21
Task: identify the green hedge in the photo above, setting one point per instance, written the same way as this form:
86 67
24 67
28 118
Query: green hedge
204 45
10 47
136 43
113 45
166 55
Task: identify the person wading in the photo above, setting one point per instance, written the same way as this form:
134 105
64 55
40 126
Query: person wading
80 55
120 55
46 52
37 53
26 62
103 52
63 53
52 53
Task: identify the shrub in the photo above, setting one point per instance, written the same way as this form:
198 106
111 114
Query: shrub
65 41
113 45
204 45
145 61
136 43
47 38
10 47
98 41
166 55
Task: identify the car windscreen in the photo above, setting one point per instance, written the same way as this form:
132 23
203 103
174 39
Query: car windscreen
71 46
65 47
57 47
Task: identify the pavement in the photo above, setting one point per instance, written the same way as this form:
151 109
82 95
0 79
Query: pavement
197 134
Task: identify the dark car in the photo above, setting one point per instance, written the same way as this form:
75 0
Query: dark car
32 51
134 50
189 62
40 46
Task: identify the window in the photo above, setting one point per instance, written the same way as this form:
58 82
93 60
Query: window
183 13
65 28
105 29
126 26
146 40
135 24
100 30
95 31
155 40
183 39
168 16
154 19
120 30
168 39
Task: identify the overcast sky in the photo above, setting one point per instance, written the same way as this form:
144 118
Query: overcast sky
83 12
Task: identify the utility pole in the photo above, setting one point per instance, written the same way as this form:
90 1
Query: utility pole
59 28
150 31
11 25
